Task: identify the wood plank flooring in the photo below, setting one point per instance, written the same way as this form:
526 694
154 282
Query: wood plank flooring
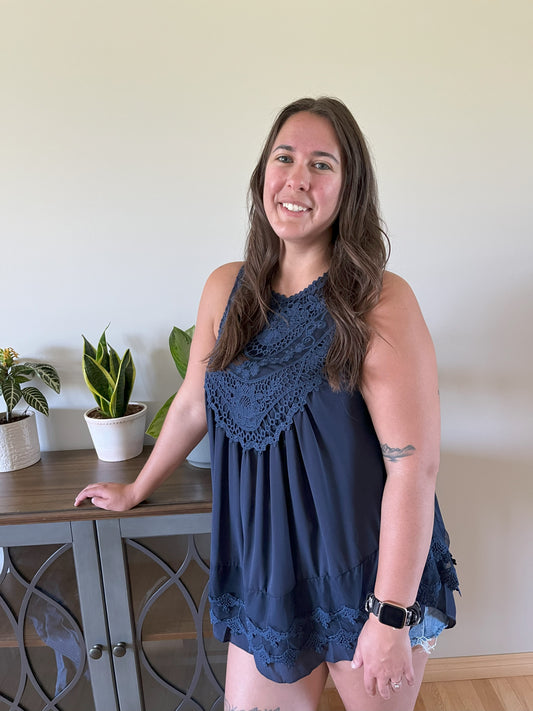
497 694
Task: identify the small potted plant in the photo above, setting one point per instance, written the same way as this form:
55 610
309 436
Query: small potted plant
116 425
19 440
180 345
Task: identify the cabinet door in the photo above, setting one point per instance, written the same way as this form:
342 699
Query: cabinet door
166 559
91 595
43 652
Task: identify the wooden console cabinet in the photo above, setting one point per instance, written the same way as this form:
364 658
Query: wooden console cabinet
102 611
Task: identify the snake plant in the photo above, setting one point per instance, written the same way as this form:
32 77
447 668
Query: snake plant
109 378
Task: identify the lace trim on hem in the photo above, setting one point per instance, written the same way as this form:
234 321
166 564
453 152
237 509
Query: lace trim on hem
321 628
270 646
439 572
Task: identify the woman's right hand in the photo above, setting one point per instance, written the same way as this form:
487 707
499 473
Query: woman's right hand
113 497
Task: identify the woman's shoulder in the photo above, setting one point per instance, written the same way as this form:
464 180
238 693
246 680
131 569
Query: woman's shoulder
395 288
222 279
397 313
218 288
216 293
396 296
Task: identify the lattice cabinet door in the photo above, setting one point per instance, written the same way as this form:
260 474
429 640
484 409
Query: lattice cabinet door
44 660
178 663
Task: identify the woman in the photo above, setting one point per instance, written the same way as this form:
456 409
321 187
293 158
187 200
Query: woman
320 380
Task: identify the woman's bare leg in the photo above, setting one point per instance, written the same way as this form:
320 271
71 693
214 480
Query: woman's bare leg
248 690
349 683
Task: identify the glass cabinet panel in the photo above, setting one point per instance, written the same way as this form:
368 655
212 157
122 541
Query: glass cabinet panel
180 662
43 661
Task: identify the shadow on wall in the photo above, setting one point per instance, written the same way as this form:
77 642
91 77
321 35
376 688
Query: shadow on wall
484 345
487 503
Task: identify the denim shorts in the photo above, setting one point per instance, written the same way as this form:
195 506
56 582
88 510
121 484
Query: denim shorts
426 632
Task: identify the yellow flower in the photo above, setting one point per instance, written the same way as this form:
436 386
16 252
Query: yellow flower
8 356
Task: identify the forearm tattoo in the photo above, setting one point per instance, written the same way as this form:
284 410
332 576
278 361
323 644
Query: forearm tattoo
393 454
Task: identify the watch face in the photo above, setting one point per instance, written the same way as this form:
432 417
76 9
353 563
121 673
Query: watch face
392 615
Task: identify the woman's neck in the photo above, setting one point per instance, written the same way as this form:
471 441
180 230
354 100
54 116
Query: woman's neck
299 269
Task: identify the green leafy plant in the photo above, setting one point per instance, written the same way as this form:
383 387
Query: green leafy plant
108 377
180 345
13 374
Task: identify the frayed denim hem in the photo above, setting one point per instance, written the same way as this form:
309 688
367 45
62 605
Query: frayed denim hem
426 632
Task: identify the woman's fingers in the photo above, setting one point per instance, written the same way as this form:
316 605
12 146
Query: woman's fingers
384 688
86 493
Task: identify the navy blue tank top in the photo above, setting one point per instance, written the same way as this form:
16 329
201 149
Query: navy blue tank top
298 477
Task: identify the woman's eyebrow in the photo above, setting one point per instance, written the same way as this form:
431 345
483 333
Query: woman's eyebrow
318 154
325 154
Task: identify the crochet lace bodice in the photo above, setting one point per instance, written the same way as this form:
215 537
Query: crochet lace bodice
255 399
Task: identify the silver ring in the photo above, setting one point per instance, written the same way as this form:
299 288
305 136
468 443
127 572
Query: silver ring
396 684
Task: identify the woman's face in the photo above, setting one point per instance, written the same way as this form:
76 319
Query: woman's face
303 180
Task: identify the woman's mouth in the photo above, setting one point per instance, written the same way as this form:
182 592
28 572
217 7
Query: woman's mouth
292 207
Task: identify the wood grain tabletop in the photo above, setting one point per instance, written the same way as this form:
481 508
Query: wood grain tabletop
46 490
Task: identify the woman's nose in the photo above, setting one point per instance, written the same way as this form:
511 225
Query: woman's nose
299 178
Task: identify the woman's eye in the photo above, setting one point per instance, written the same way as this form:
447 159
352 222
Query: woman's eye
322 166
284 159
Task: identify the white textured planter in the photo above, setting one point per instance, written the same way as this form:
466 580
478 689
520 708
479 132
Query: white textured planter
200 456
118 438
19 444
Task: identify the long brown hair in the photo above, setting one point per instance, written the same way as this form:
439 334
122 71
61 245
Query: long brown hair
360 250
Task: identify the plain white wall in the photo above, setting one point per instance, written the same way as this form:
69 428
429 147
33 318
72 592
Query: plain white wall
128 133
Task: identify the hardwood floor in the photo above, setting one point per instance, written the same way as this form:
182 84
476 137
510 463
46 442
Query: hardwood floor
513 693
498 694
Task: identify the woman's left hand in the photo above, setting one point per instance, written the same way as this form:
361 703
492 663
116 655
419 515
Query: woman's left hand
386 657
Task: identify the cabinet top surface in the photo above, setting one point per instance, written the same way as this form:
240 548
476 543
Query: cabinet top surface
46 490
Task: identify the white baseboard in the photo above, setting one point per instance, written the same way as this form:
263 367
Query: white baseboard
484 667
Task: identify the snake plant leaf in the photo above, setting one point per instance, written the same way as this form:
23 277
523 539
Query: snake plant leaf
88 348
130 372
114 363
97 379
35 399
157 423
180 345
11 393
102 405
48 375
102 353
123 386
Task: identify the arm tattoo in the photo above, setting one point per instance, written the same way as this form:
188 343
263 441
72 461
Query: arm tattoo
393 454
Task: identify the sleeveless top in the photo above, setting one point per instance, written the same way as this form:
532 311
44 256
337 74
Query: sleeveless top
298 477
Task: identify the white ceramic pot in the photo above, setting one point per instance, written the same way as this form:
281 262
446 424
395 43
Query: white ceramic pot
200 456
19 444
118 438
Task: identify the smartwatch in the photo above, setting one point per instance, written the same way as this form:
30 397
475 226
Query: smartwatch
393 615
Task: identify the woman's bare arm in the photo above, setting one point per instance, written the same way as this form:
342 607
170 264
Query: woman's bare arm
400 388
185 423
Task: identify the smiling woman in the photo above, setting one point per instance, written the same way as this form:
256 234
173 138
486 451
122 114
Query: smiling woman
315 375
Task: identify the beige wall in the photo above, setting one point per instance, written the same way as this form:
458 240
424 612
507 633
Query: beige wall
128 132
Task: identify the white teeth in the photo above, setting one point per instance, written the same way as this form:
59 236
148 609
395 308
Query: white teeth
294 208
